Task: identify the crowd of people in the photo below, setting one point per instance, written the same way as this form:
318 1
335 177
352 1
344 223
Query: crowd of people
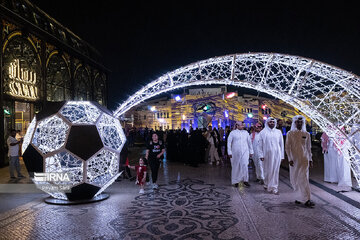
191 148
267 149
264 145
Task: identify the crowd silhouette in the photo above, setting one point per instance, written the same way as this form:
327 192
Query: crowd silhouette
191 147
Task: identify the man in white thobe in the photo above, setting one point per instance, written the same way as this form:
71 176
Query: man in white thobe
343 172
330 162
259 169
298 150
239 149
271 152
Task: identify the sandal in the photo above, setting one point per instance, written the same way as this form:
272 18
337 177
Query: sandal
309 203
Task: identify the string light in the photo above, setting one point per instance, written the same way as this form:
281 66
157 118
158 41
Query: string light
49 137
315 88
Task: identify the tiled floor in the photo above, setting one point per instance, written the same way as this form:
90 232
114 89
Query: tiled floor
191 203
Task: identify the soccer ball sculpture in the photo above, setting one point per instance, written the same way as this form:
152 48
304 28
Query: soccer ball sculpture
79 139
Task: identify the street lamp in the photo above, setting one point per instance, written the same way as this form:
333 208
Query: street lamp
177 98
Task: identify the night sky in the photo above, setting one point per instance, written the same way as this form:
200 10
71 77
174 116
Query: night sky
141 40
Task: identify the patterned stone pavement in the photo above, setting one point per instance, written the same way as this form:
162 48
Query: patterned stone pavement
191 203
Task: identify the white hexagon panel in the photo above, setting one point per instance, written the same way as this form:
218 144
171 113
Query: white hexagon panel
72 149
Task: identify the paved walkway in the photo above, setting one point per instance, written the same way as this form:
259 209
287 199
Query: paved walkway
191 203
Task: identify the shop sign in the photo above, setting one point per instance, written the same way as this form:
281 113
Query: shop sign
22 82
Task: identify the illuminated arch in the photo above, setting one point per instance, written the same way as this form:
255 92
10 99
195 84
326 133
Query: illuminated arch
328 95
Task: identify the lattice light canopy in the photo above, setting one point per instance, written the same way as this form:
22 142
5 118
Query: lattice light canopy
81 139
328 95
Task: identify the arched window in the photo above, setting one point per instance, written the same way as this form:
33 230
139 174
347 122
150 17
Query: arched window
100 89
82 84
22 78
57 79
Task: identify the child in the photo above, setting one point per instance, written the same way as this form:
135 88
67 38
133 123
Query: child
140 174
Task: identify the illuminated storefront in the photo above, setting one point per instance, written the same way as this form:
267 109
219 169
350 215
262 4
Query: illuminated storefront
41 61
200 107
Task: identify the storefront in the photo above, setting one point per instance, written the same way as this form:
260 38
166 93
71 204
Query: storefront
41 61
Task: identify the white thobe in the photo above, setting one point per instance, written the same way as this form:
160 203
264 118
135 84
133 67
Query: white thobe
271 148
344 171
330 163
342 168
298 150
259 168
213 153
239 146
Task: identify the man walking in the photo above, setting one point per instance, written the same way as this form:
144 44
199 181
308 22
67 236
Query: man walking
259 168
330 159
154 154
14 162
298 150
271 152
239 147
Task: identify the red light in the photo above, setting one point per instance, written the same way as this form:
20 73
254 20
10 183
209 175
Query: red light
230 95
263 106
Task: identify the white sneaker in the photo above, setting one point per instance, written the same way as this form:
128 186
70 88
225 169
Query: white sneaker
141 191
155 186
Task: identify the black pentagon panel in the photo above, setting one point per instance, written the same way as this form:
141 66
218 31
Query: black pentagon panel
84 141
33 160
102 108
50 108
82 191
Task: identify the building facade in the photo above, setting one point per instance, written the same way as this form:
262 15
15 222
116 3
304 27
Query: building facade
198 108
42 61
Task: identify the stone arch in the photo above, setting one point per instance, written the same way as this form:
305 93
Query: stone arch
328 95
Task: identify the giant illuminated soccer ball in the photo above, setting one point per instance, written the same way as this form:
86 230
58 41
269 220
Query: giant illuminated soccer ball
81 140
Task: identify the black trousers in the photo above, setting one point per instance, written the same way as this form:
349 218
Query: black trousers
154 166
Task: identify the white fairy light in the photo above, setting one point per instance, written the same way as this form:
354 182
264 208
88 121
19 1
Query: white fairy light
110 132
49 136
325 93
80 112
66 163
102 167
28 135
